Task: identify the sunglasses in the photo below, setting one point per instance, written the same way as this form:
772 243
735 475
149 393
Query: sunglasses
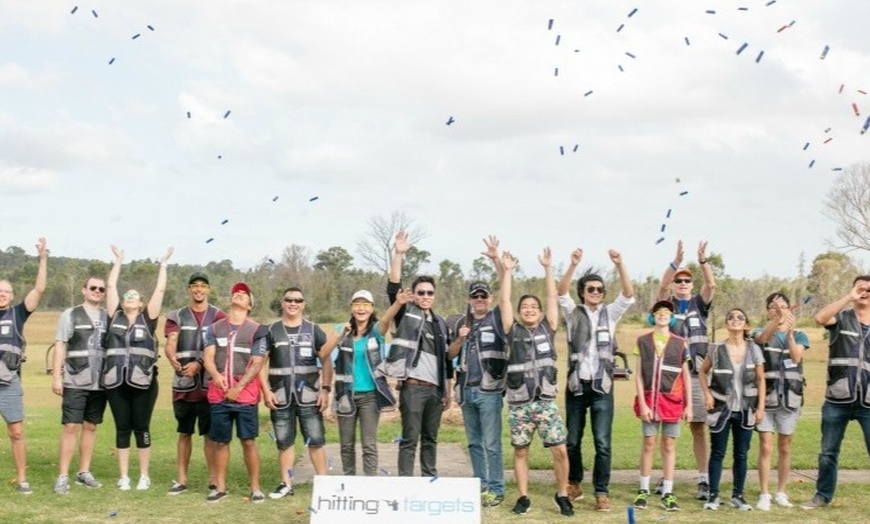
682 281
99 289
426 293
479 296
294 300
595 289
131 294
735 317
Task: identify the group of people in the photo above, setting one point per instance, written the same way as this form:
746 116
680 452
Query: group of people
224 363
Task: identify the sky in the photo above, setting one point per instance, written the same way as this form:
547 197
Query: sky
340 109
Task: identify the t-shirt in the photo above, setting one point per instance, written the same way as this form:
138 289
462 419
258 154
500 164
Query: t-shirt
660 342
362 375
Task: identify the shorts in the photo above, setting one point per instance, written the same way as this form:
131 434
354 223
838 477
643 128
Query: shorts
222 416
779 420
699 409
540 414
12 401
668 429
310 421
187 414
82 405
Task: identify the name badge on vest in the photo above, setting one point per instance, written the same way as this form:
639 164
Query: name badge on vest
305 351
789 364
4 330
372 344
604 336
221 341
694 322
543 347
138 334
487 338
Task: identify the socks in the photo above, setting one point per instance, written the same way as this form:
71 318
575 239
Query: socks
667 487
644 483
702 477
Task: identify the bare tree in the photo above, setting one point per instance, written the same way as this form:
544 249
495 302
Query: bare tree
376 247
848 204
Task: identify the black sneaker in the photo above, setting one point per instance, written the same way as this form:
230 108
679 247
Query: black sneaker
703 491
176 488
641 500
738 502
216 496
522 505
564 505
669 502
281 491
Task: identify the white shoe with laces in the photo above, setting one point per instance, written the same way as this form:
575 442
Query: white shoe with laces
124 483
144 483
781 499
763 502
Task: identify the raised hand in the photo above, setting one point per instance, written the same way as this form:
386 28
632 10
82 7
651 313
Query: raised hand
40 247
405 296
403 243
508 261
491 247
546 257
702 248
576 256
168 254
615 256
118 252
678 258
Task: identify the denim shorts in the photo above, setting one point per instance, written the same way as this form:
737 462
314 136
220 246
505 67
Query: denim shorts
222 416
668 429
779 420
310 421
12 401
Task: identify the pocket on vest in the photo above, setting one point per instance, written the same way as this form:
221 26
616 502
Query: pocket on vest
141 376
183 383
76 375
343 405
839 389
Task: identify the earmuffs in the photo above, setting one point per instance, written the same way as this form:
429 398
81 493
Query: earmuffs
651 319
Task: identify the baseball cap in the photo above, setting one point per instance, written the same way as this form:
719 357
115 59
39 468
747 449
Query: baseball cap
362 294
666 304
197 276
683 271
242 287
479 286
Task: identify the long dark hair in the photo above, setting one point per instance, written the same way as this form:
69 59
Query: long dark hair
372 322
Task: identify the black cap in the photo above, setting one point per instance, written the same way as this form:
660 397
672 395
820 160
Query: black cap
197 276
478 286
667 304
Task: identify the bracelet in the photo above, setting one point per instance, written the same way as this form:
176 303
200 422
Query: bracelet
702 262
673 266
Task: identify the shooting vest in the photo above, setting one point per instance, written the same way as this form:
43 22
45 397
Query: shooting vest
531 371
344 365
130 353
232 357
579 334
84 352
189 348
722 383
490 353
849 362
781 372
12 346
404 348
293 371
663 377
692 326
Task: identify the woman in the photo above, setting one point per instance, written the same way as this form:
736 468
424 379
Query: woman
735 402
531 382
129 371
359 395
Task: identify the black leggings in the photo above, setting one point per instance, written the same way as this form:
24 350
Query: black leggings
132 409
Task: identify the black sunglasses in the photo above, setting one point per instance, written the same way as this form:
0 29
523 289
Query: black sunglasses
595 289
294 300
101 289
682 281
426 293
479 296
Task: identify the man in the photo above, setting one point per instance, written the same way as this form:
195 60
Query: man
591 344
690 314
846 397
418 360
294 388
12 344
78 364
234 351
783 347
480 382
185 331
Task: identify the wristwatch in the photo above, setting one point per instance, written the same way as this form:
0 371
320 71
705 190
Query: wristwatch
328 389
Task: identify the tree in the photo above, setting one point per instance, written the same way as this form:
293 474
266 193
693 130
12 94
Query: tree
334 260
414 259
376 247
830 277
848 204
481 269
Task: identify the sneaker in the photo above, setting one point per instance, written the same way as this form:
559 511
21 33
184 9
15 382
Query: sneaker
61 485
816 502
216 496
281 491
712 503
602 503
564 505
740 503
703 491
24 488
257 497
669 502
177 488
124 483
212 489
522 505
640 501
781 499
575 492
660 486
144 483
496 500
86 479
763 502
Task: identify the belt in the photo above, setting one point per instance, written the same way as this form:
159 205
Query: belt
473 384
415 382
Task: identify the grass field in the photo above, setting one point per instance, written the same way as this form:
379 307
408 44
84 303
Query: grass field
42 431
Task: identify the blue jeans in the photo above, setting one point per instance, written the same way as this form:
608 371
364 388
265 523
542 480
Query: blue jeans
719 446
310 421
600 408
482 414
835 418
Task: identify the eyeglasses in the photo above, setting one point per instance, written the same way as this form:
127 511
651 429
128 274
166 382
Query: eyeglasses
198 285
595 289
99 289
131 294
294 300
361 305
426 293
735 317
479 296
682 281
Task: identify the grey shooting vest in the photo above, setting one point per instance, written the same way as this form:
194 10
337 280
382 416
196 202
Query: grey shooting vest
293 371
344 365
12 346
848 362
722 383
491 356
531 371
579 335
84 352
191 339
130 353
781 372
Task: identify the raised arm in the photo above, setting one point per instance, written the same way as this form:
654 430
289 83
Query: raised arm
492 254
401 246
112 297
565 281
402 298
160 288
624 279
709 280
668 276
827 315
508 262
31 300
552 311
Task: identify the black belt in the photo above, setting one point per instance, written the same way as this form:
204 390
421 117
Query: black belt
415 382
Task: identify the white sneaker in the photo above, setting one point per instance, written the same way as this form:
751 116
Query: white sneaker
144 483
763 502
782 500
124 483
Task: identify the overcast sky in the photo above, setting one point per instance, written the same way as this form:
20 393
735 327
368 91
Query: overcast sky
348 101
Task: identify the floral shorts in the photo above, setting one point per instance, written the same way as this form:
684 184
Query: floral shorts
540 414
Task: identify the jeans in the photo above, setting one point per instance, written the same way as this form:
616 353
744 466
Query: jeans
310 421
600 408
835 418
368 415
719 445
421 409
482 414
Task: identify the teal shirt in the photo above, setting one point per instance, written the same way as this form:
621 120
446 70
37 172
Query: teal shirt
362 376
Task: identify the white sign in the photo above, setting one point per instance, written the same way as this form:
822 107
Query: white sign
402 500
